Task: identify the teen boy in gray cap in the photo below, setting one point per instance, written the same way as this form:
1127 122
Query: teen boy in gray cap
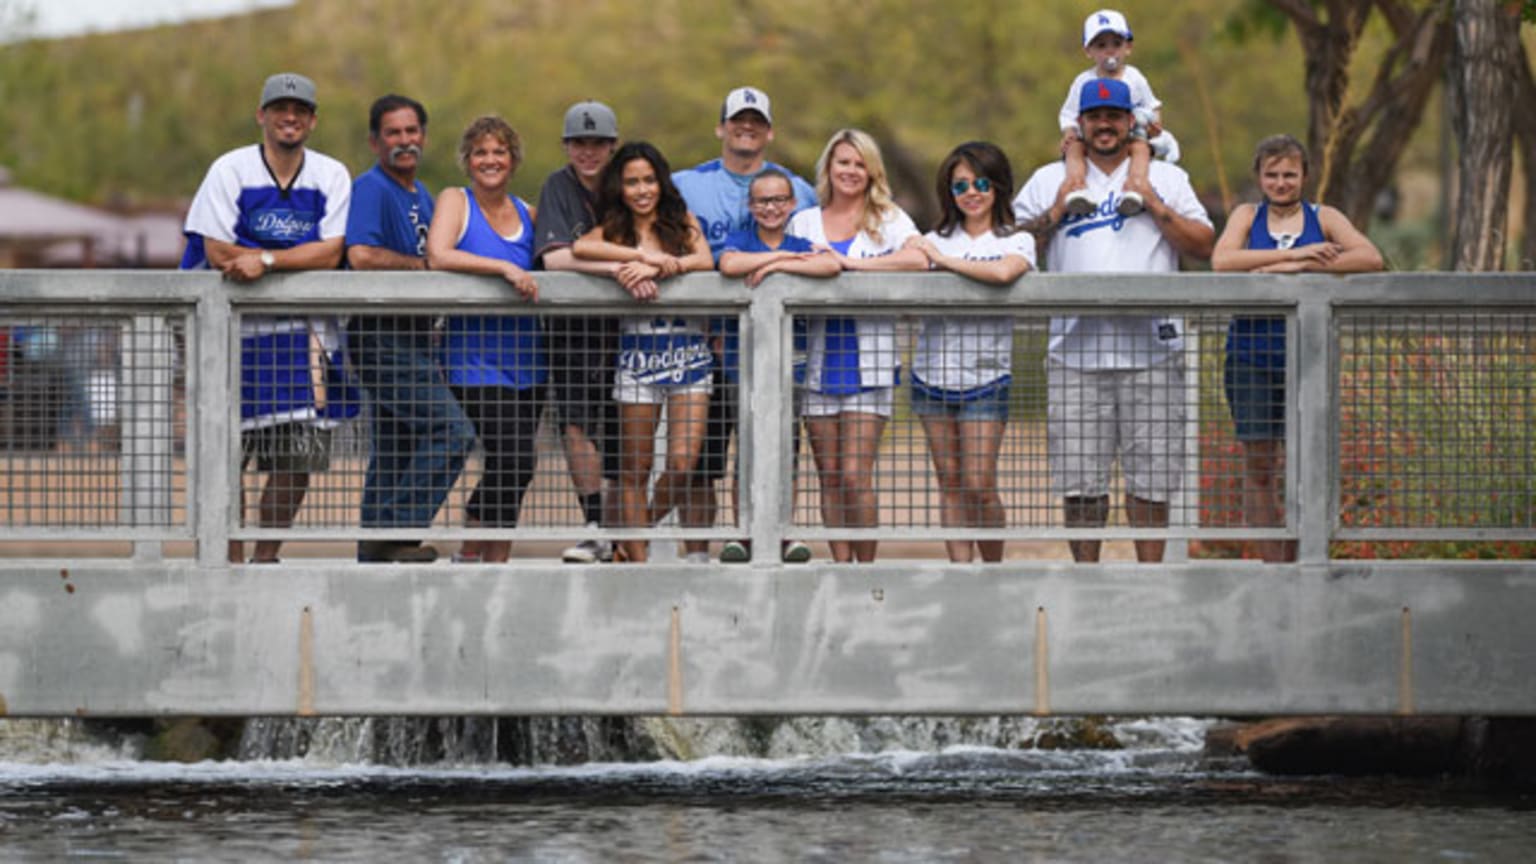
264 207
582 347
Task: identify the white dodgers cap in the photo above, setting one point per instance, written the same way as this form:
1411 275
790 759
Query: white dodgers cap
745 99
1105 21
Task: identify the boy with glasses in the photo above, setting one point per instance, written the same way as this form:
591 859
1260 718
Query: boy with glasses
752 254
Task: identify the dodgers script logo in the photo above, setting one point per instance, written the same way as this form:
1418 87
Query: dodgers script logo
279 226
1106 216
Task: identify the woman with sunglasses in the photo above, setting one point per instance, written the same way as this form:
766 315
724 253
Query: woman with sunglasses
663 360
851 363
962 367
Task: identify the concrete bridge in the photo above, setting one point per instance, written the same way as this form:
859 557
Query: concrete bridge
1409 421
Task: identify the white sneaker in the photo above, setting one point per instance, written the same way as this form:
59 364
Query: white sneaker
1080 203
697 558
589 551
1130 204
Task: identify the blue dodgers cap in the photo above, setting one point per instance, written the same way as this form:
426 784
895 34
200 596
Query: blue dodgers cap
1105 93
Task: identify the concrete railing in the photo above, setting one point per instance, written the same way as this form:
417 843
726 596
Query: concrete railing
1408 422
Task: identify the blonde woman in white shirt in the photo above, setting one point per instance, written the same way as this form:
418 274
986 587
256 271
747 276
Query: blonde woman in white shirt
851 364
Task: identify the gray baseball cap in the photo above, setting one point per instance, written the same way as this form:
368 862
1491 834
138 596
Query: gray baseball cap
288 85
590 120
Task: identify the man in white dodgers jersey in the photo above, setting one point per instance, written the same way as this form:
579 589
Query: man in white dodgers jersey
1116 383
718 192
277 205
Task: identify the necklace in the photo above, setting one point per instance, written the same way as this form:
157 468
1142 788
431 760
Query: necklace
1284 211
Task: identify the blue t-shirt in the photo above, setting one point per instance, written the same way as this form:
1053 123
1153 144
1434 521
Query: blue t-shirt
747 240
495 350
386 215
1254 340
389 216
719 198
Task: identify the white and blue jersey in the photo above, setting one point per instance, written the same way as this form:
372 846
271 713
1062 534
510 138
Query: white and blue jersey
495 350
665 352
241 203
719 199
846 356
748 241
962 358
1106 242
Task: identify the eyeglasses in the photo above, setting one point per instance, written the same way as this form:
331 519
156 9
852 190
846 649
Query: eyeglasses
773 201
960 187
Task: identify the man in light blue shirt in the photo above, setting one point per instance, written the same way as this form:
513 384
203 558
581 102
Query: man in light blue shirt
718 193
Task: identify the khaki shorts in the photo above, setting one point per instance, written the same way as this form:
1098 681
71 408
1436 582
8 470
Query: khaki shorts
1135 414
289 448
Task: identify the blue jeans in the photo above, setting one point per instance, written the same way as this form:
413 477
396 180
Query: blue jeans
420 436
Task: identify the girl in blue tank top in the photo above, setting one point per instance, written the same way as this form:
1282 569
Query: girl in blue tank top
1282 234
494 363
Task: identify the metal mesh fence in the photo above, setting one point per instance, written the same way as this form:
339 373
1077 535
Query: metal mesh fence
92 421
998 421
1435 420
919 426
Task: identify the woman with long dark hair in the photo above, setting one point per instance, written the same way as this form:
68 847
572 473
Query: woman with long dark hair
663 360
962 368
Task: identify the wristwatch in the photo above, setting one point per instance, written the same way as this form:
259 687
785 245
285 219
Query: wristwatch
268 260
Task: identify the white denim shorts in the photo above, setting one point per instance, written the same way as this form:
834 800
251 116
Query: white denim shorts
628 390
879 401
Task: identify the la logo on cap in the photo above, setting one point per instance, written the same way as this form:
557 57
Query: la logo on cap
1103 91
1104 19
587 122
750 98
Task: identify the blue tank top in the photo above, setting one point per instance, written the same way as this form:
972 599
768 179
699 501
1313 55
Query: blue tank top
495 350
1260 340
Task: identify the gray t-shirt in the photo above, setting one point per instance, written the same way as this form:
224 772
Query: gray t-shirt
566 211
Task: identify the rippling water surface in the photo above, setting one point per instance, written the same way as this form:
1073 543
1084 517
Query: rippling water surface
961 804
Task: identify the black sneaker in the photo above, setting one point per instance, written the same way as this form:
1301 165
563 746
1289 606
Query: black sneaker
392 552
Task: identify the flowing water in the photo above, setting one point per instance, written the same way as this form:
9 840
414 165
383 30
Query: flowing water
862 793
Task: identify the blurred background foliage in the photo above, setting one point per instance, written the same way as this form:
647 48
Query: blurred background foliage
132 119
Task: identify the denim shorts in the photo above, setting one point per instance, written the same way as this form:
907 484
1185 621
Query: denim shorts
990 406
1256 398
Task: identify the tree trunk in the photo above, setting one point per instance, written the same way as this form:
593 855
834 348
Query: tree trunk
1525 132
1486 52
1356 147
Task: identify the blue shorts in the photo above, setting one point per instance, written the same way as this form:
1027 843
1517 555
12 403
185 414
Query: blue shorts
1256 398
992 405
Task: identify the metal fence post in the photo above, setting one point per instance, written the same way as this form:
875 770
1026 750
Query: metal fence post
1310 470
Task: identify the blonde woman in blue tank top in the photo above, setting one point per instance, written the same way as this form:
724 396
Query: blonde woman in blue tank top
495 363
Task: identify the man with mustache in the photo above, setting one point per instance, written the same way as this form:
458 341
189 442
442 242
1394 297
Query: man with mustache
277 205
420 437
1115 383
